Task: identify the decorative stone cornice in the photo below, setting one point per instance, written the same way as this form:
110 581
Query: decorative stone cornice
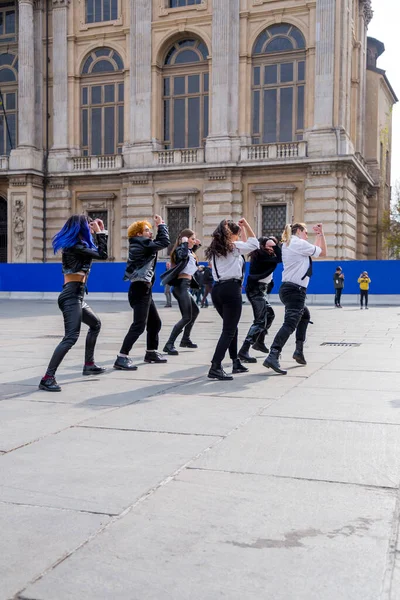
61 3
368 12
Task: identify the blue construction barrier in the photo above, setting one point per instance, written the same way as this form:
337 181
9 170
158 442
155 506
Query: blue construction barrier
108 277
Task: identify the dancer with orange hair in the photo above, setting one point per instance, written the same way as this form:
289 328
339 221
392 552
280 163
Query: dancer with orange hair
140 271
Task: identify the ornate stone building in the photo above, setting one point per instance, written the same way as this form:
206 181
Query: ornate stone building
195 109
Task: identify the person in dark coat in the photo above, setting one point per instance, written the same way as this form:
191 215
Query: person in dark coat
263 263
338 282
140 271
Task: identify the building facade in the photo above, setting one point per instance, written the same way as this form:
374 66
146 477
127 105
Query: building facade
195 109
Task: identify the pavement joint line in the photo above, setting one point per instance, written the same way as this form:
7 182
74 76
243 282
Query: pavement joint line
385 488
298 418
59 508
218 435
392 552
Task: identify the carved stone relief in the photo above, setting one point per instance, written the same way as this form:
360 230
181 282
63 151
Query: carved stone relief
19 229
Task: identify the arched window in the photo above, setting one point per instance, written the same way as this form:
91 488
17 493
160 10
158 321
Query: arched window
102 101
185 95
8 102
278 85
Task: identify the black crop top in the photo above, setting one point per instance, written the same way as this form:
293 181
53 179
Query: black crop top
78 258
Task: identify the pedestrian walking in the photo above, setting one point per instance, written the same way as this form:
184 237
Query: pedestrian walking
208 285
181 276
297 255
364 282
225 254
263 263
167 290
140 271
81 241
338 282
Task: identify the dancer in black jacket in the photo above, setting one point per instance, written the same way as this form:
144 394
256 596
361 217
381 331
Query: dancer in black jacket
263 263
182 277
77 242
140 271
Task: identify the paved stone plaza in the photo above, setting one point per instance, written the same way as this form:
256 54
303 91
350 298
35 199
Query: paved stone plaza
161 484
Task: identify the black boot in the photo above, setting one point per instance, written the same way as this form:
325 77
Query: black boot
170 349
272 362
124 363
260 345
244 353
154 357
298 354
217 372
50 385
93 370
238 367
187 344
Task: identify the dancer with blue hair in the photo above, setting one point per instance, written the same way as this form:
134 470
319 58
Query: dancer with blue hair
77 240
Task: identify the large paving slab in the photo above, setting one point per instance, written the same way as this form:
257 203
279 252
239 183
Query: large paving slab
355 380
33 538
368 453
236 537
96 470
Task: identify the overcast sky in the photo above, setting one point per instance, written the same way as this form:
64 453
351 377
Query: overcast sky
384 27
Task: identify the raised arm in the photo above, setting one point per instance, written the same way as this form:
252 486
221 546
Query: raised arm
161 240
320 240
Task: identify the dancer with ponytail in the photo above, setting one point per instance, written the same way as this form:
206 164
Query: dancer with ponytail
263 263
297 255
181 277
225 255
81 242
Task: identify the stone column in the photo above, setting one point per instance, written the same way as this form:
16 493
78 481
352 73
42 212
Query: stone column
39 51
26 156
138 152
60 75
223 141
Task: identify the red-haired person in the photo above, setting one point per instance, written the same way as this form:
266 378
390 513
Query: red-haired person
140 271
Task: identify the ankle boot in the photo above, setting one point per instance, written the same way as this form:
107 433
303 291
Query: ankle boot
170 349
49 384
187 344
260 345
238 367
244 353
217 372
272 362
298 354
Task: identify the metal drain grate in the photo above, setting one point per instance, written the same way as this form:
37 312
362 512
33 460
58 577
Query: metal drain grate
340 344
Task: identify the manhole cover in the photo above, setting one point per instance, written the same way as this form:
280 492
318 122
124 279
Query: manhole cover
340 344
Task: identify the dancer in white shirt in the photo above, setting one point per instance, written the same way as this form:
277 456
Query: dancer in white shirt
225 255
297 270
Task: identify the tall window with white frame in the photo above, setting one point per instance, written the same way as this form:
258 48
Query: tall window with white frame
278 85
8 102
8 22
185 95
179 3
98 11
102 103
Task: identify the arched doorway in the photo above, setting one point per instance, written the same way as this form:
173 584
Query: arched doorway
3 230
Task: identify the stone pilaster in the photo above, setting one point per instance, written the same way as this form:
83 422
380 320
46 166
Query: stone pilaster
26 156
38 35
222 199
138 151
59 152
223 142
25 197
137 204
59 209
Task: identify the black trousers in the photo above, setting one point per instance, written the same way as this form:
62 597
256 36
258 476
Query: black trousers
207 290
297 315
338 295
262 311
189 310
364 296
168 297
75 312
227 299
145 316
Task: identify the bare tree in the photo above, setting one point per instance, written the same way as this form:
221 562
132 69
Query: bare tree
390 225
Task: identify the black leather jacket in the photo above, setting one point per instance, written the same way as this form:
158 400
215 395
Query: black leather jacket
143 250
182 259
263 264
79 258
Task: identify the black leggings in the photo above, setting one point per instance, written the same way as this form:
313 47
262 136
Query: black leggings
189 310
145 316
227 299
262 311
297 315
75 312
364 296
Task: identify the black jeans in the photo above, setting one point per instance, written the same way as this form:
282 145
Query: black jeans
338 295
145 316
189 310
75 312
207 290
262 311
297 315
364 296
227 299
